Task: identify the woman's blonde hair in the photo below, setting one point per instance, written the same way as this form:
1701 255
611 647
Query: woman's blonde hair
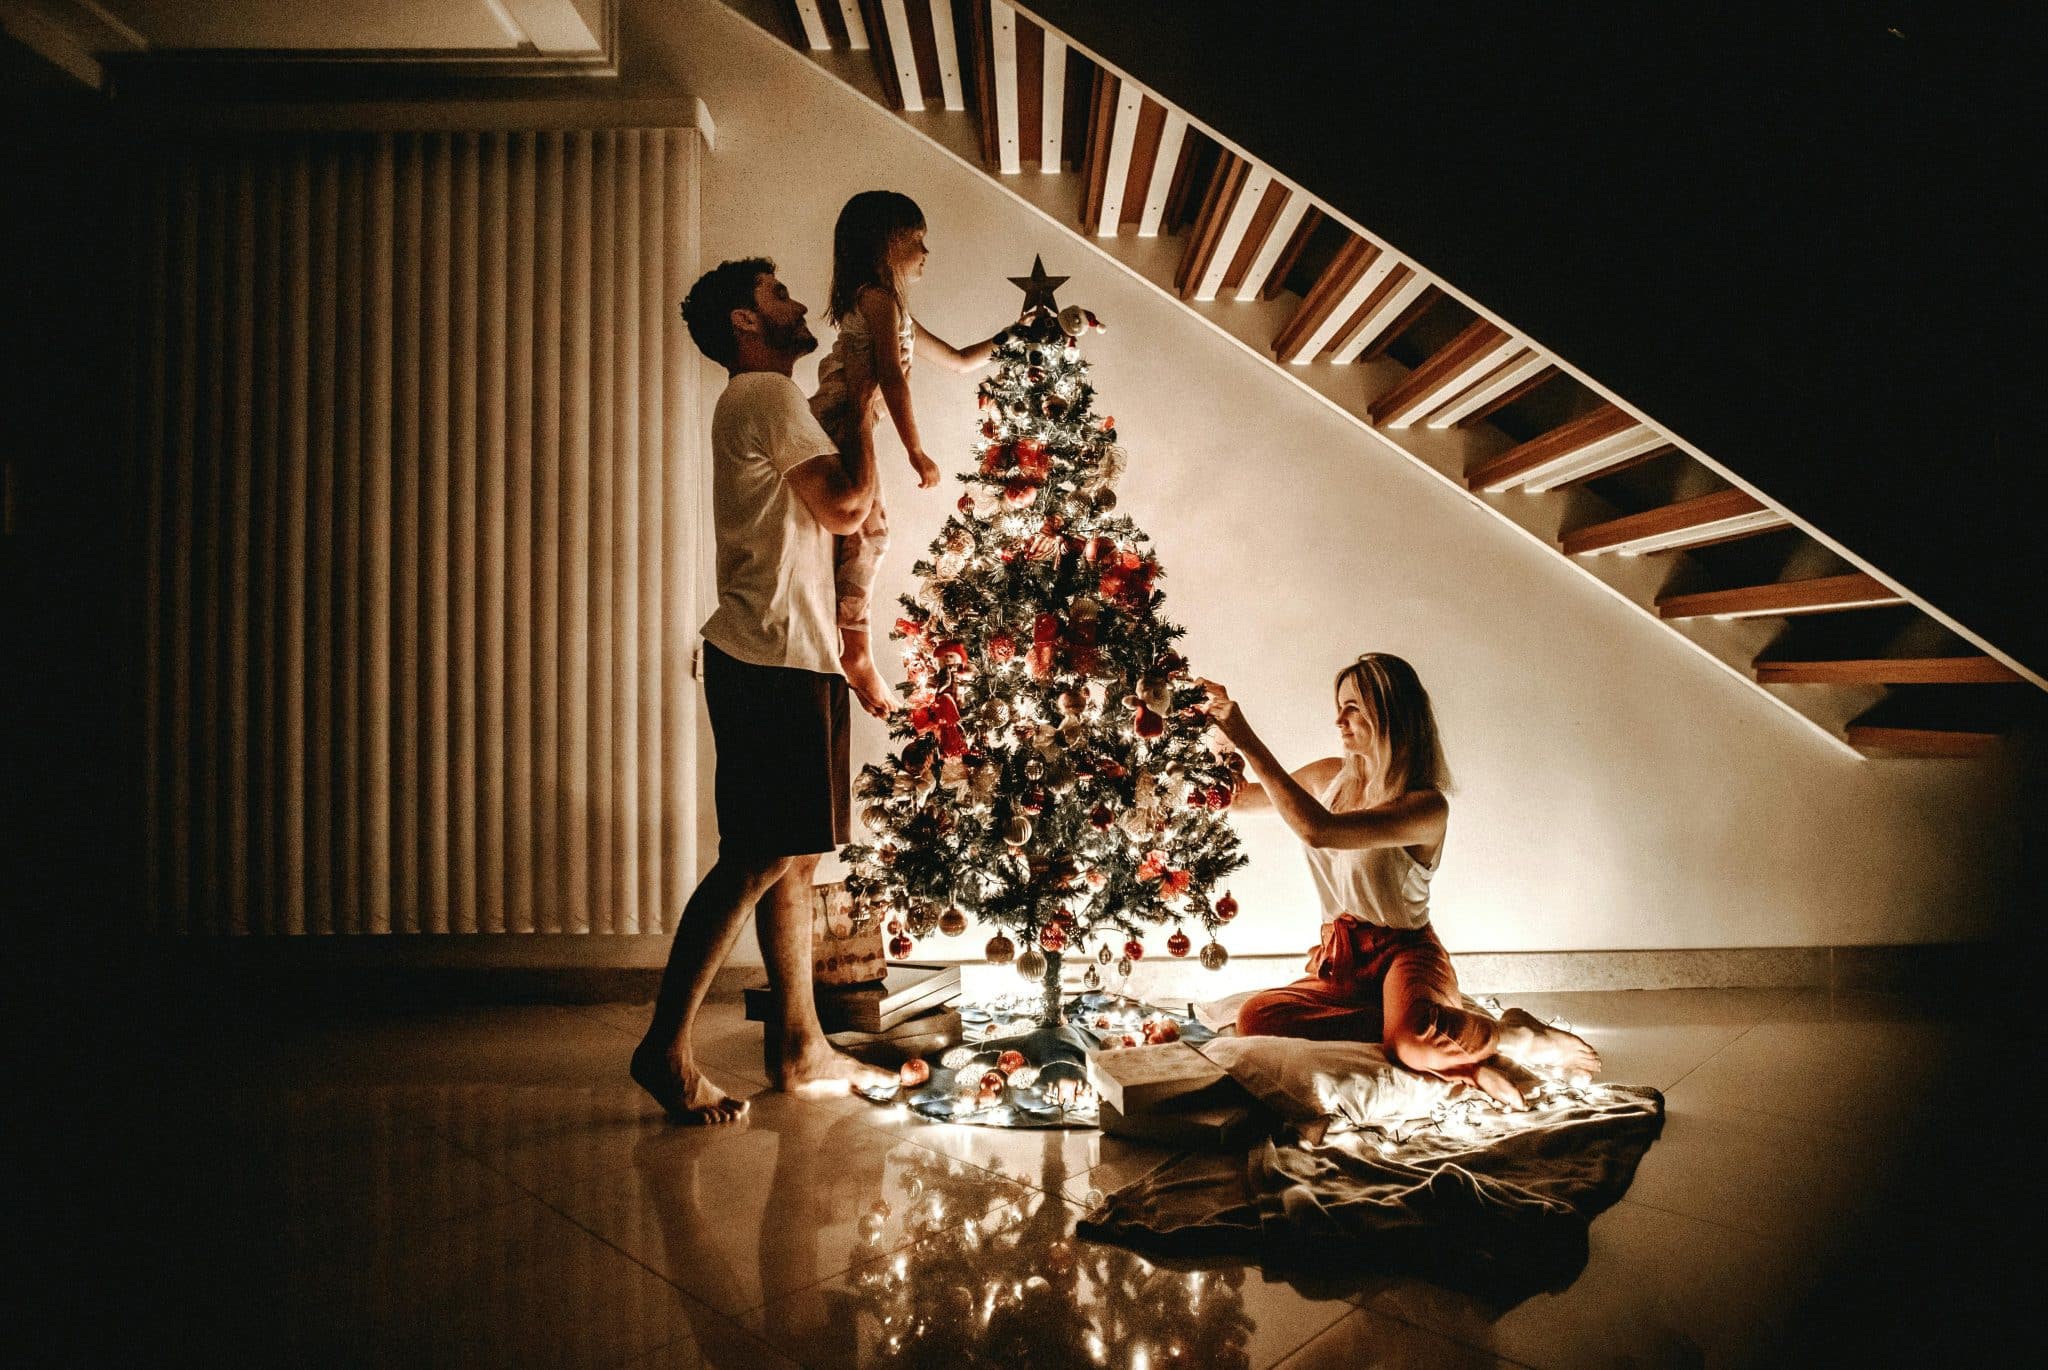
1404 724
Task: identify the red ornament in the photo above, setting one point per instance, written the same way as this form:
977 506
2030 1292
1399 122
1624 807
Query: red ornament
952 741
1100 818
995 459
965 504
1019 492
1135 949
1033 462
1174 883
899 946
988 428
1144 722
1001 647
1045 636
1033 801
992 1085
1109 424
1010 1062
1052 937
913 1072
1226 908
1218 797
1178 944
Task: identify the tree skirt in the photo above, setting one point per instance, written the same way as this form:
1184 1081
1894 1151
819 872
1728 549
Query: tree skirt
1016 1074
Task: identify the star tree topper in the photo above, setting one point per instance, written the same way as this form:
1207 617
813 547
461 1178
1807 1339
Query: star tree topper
1038 288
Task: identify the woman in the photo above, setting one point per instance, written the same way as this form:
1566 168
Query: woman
1373 821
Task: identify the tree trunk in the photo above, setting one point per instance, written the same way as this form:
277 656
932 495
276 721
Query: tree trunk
1049 1008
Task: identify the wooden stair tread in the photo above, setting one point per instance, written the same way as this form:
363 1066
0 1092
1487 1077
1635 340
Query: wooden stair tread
1821 595
1921 670
1562 447
1927 742
1686 523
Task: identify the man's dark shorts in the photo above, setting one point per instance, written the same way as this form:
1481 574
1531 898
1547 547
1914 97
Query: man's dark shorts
783 785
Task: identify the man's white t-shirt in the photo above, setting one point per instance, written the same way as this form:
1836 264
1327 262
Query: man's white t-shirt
776 604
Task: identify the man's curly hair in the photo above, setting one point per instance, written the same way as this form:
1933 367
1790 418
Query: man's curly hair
708 308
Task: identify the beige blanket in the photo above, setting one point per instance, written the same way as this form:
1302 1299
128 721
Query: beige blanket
1405 1176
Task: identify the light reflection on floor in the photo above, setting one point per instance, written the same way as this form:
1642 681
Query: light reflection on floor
484 1187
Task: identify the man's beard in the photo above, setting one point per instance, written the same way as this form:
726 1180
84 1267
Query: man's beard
792 340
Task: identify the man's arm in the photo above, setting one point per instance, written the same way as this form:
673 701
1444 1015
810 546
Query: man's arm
838 487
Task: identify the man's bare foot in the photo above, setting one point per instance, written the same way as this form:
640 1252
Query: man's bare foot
818 1069
866 682
1529 1040
682 1090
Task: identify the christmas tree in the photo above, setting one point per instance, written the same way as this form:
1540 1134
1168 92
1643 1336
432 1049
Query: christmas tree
1055 776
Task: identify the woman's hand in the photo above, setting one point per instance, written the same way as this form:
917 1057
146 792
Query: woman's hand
927 469
1223 712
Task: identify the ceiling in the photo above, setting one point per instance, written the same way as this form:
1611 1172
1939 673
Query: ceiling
554 28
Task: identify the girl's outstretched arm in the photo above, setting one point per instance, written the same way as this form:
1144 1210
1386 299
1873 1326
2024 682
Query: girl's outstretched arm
959 360
1416 818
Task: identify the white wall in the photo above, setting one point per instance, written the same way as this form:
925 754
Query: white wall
1614 790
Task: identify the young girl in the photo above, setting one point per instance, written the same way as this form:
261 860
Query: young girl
1373 822
878 252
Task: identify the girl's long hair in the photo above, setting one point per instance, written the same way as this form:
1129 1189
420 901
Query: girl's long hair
860 245
1411 754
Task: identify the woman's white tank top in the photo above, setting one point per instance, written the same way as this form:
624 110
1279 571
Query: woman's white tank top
1383 885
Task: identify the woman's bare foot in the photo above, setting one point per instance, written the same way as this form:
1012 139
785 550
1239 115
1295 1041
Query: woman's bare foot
818 1069
1498 1085
682 1090
865 681
1528 1039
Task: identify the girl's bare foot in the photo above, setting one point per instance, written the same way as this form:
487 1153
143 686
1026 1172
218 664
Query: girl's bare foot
1528 1039
866 682
815 1068
682 1090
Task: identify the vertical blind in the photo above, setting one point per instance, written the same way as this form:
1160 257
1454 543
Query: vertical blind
418 436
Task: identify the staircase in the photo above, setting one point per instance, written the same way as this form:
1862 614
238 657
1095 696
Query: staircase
1424 370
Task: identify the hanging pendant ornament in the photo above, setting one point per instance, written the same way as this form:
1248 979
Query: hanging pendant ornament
952 922
1017 831
899 947
1134 950
1103 955
1214 957
1091 979
1031 964
1052 937
1226 907
1123 966
1178 944
999 950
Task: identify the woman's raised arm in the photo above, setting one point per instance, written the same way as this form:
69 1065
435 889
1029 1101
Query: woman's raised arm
1416 818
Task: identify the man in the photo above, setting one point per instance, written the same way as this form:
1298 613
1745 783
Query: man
772 682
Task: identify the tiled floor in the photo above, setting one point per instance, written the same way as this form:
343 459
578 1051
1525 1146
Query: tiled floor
484 1187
